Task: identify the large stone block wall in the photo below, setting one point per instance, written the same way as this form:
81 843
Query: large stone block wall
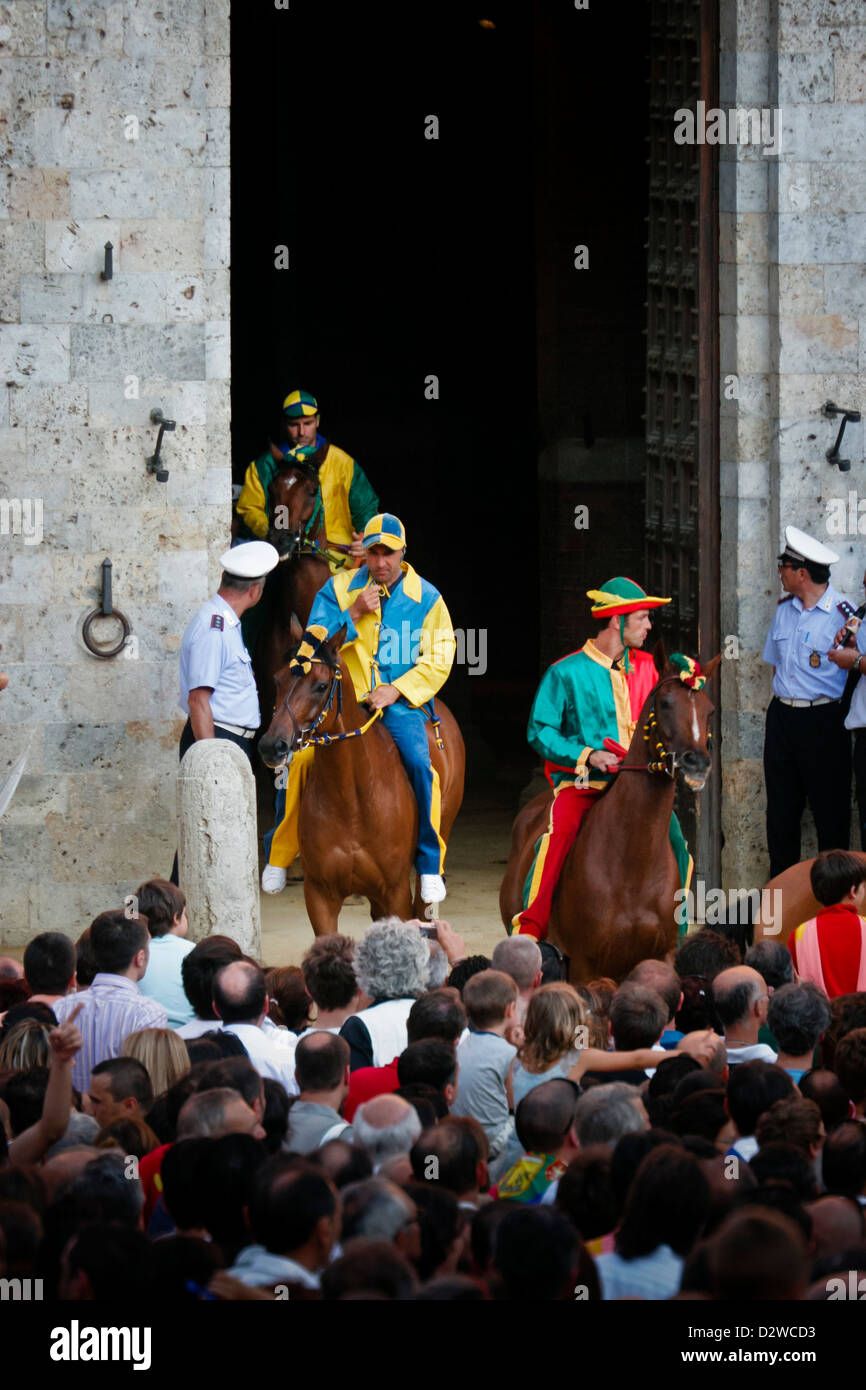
793 332
114 126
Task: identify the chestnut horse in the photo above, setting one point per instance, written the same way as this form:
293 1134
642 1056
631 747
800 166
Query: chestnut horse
359 818
298 532
615 902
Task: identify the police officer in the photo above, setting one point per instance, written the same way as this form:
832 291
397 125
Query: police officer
807 749
852 659
217 687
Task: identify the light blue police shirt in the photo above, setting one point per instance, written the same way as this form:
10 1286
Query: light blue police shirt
213 654
795 634
857 713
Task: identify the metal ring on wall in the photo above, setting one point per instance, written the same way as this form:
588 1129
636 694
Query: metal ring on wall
104 652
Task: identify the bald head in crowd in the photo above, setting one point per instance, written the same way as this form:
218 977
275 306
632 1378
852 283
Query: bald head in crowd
387 1127
519 957
741 1000
239 993
837 1225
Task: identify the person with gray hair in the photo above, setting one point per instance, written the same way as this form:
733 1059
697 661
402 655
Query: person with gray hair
439 968
772 960
378 1210
742 999
799 1014
210 1114
519 957
391 965
605 1113
387 1127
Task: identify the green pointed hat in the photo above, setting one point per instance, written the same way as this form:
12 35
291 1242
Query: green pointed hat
619 596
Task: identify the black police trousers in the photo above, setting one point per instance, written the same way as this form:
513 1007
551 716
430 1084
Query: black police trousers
807 757
860 781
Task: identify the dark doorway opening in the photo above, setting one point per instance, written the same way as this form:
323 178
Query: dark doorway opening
408 258
455 258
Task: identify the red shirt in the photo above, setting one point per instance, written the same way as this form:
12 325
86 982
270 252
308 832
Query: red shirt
839 939
150 1177
367 1082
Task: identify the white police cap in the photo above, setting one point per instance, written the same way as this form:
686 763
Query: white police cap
252 560
799 546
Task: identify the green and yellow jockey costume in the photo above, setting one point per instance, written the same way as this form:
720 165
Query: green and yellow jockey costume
584 699
348 501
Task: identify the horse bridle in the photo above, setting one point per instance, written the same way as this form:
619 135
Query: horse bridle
652 729
302 542
307 737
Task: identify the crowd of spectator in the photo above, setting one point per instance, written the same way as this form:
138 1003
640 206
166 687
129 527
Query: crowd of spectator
395 1119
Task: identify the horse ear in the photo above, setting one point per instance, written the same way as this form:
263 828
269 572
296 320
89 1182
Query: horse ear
660 657
711 667
296 632
335 643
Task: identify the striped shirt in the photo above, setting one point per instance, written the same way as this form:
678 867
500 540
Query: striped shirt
838 933
113 1008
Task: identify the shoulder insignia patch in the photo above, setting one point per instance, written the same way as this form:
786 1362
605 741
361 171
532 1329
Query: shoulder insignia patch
218 621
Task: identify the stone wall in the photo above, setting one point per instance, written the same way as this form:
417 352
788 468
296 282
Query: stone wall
793 333
114 126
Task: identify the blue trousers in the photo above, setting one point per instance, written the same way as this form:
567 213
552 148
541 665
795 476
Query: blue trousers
408 728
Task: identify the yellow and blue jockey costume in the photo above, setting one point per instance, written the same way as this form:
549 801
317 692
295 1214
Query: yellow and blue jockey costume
408 643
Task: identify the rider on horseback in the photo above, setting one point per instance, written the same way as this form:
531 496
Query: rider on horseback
399 650
593 695
347 497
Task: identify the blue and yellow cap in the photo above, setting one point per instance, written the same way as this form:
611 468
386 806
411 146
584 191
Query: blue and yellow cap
300 404
385 529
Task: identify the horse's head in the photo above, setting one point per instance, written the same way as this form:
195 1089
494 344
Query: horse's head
676 728
306 687
294 492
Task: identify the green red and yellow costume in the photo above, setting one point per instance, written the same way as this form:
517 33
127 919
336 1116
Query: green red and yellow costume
584 699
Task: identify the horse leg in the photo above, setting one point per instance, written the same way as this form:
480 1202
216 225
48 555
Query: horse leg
323 906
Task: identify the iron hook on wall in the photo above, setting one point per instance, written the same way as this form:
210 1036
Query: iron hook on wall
107 273
153 463
105 650
830 410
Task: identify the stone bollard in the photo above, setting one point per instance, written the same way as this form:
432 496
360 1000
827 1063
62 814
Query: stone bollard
218 855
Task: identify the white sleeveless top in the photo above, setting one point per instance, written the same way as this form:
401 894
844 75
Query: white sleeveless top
386 1024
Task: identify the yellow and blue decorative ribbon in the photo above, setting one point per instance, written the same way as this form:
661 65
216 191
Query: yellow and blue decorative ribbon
307 648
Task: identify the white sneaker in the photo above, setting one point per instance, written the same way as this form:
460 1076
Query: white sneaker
432 888
273 879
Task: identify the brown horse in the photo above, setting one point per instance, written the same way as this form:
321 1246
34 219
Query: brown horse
359 818
788 900
298 532
615 903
